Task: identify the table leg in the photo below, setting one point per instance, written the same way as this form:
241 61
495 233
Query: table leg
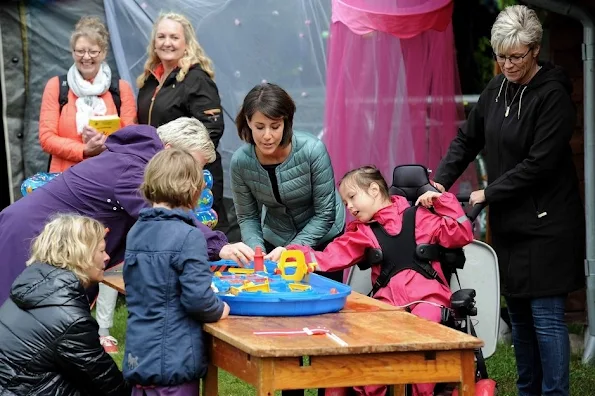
264 386
467 385
210 384
398 390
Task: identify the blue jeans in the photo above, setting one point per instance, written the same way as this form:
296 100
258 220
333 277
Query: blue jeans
541 345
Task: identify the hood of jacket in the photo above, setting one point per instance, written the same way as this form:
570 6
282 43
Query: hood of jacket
138 140
548 74
43 285
164 214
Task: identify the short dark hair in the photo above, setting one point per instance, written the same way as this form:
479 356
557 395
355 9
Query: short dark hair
364 176
273 102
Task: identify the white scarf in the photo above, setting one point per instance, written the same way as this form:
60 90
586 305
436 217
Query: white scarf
89 103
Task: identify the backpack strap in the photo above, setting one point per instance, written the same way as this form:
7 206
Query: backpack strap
114 89
63 96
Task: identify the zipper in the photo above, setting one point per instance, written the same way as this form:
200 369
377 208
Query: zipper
154 96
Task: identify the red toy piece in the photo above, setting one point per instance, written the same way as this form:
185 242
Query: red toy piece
258 259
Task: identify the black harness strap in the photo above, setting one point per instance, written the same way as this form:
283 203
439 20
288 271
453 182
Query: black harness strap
399 252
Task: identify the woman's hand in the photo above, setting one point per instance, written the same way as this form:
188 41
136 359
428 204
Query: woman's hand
239 252
275 254
427 199
477 197
94 146
88 133
438 186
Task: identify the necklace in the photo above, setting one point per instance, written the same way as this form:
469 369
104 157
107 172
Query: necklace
506 100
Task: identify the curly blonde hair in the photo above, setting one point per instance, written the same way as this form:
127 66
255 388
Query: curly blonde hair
68 241
93 29
194 53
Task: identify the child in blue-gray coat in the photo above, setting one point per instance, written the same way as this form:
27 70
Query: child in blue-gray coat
168 282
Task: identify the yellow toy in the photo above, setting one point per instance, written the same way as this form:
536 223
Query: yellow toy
243 271
299 263
299 287
251 287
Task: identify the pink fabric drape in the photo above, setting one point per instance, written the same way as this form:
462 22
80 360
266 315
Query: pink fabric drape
401 18
390 100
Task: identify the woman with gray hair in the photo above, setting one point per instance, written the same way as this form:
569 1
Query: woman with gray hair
523 121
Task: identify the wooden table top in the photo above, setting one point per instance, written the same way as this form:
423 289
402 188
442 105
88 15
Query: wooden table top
364 332
365 324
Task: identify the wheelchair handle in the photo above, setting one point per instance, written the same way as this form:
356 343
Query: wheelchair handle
476 210
472 215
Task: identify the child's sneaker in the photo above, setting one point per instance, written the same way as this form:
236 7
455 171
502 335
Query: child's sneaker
109 343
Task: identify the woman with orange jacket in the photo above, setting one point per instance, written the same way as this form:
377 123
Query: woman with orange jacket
64 132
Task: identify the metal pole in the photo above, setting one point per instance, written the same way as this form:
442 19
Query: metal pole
589 136
576 12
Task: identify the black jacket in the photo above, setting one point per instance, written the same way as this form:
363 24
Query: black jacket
48 339
193 96
536 214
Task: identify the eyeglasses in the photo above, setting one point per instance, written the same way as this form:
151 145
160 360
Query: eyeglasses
514 59
92 53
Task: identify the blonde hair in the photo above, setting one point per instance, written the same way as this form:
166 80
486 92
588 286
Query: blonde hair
68 241
92 28
173 177
516 25
188 133
194 53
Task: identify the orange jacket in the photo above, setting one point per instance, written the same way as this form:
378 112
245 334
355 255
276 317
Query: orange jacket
57 131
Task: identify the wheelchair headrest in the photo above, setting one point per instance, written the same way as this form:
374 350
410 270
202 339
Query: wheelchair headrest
410 181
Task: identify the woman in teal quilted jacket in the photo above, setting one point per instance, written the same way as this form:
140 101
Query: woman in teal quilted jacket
282 180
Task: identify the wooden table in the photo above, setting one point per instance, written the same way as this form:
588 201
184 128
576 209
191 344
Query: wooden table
385 346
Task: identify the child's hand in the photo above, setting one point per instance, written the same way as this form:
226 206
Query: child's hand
275 254
225 313
427 199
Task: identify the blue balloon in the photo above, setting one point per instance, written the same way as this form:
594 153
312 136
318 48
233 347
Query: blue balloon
36 181
208 178
207 217
205 202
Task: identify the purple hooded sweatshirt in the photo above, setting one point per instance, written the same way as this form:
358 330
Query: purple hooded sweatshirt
105 187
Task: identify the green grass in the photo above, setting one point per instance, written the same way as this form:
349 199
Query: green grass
501 367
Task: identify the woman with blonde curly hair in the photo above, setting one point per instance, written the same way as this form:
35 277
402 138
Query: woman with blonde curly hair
46 325
178 81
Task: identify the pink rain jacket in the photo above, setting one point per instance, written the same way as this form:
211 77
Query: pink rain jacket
448 227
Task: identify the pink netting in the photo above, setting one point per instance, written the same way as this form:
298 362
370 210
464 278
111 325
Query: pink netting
390 101
402 18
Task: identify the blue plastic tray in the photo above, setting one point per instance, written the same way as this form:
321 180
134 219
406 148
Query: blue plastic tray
317 301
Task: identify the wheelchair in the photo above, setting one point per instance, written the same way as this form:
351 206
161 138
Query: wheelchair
472 268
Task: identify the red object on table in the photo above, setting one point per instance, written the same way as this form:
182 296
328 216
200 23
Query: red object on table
258 259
